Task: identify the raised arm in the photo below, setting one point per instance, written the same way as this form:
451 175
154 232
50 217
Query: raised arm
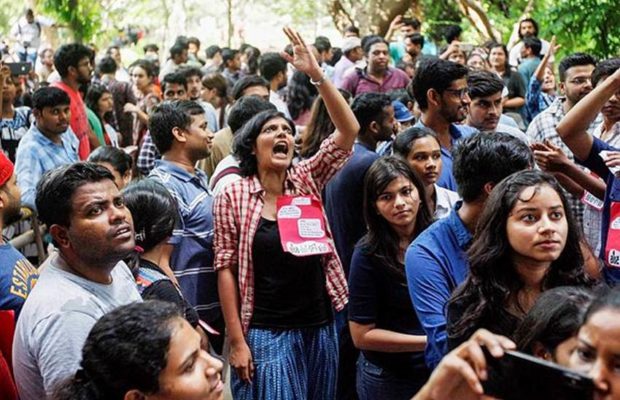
573 127
540 70
339 111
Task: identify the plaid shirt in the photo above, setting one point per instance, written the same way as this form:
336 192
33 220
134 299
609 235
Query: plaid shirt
147 156
237 214
537 101
543 128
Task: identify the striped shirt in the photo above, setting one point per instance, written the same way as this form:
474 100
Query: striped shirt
237 214
192 258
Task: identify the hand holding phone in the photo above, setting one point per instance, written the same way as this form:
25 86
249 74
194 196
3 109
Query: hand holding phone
517 376
20 68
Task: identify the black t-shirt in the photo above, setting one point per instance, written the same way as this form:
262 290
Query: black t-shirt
289 291
165 290
378 296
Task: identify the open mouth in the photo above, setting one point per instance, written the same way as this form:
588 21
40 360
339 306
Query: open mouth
281 148
125 230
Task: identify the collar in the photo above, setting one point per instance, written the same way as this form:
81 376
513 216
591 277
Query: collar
180 173
463 236
256 187
44 139
388 72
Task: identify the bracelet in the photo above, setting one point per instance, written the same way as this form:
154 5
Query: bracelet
319 82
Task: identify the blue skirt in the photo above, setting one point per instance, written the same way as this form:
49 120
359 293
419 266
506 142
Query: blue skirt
290 364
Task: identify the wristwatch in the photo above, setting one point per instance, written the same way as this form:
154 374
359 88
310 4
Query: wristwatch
319 82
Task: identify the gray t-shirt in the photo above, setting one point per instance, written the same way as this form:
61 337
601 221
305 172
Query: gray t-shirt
55 321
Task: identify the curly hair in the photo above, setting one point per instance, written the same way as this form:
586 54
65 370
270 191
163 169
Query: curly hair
245 140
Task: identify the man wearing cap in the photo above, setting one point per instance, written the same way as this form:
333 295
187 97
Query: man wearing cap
405 119
352 53
17 275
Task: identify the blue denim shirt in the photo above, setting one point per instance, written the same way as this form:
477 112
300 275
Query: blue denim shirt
192 258
612 194
436 263
458 132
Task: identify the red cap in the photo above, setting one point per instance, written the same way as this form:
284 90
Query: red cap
6 168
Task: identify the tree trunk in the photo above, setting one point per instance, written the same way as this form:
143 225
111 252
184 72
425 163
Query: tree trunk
370 16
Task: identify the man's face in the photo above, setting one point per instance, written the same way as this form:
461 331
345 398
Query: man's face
235 63
181 58
100 227
175 91
356 54
30 17
10 201
194 86
199 138
193 49
526 29
412 49
378 57
455 101
484 112
48 58
611 109
83 70
54 120
386 126
259 90
407 30
578 82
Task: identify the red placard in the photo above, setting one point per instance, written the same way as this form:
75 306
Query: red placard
612 247
302 226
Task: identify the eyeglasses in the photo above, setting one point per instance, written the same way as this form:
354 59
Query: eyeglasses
458 92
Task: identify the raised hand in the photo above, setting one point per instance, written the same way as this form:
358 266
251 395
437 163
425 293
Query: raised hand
303 59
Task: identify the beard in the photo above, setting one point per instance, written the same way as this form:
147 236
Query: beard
11 215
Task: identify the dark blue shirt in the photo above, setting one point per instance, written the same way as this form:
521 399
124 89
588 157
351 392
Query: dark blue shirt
457 132
436 263
192 258
344 196
612 194
378 296
17 278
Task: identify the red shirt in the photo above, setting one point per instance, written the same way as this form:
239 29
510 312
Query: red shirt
79 120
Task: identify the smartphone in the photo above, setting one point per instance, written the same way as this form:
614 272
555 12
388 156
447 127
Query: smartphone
20 68
520 376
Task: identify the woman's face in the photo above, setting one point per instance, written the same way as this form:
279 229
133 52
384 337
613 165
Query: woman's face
399 203
120 180
457 56
497 57
274 145
140 78
190 373
425 159
548 80
598 352
537 227
105 104
476 62
9 89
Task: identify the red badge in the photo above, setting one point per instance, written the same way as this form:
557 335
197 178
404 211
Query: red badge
302 226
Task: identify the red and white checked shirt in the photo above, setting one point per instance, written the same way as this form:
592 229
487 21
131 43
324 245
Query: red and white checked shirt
237 214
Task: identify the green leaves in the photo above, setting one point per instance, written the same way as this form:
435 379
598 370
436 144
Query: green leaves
83 17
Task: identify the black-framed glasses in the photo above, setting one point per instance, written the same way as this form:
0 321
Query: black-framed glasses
458 92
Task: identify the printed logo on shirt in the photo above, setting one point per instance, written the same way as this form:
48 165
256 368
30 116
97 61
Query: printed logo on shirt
24 278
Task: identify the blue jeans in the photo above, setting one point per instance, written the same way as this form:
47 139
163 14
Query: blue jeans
374 382
30 57
290 364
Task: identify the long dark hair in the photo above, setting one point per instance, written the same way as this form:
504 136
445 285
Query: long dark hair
319 127
300 94
556 317
492 280
126 349
93 95
381 241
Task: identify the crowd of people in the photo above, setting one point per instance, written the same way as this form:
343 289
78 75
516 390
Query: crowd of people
353 222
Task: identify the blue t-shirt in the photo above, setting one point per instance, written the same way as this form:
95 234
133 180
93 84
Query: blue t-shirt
192 258
436 263
612 195
17 278
457 132
344 202
377 296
